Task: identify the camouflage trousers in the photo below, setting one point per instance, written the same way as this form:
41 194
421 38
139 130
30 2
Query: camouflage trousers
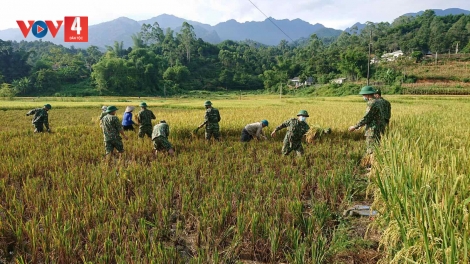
110 145
372 142
38 127
145 130
161 143
288 146
212 132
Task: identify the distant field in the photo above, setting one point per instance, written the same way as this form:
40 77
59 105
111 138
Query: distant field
444 78
226 202
444 70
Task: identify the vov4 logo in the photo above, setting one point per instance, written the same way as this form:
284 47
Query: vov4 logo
75 28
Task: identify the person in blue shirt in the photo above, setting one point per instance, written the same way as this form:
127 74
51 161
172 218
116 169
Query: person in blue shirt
127 123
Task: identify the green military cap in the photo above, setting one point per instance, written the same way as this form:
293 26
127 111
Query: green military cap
143 104
111 108
367 90
48 106
265 122
303 113
207 103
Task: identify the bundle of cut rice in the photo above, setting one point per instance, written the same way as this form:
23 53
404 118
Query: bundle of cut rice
316 132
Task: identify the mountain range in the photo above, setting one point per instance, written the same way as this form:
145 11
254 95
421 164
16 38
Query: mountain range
358 27
265 32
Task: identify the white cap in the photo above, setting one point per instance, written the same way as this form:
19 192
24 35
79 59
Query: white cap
104 108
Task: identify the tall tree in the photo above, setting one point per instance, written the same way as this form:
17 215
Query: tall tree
187 37
353 63
459 32
137 41
117 49
437 40
13 63
152 34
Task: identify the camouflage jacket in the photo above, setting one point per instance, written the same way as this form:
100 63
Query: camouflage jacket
144 117
161 130
295 129
386 109
40 116
373 119
212 118
111 127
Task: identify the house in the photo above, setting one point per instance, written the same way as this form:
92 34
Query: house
298 83
392 56
374 60
309 81
338 81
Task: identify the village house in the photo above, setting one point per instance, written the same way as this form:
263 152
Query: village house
338 80
392 56
298 83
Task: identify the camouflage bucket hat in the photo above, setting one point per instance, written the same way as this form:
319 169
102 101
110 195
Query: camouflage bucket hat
143 104
111 108
303 113
48 106
207 103
367 90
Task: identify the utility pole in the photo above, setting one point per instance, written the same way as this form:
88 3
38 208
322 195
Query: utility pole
368 61
457 48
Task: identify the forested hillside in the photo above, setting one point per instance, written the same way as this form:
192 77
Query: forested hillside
166 63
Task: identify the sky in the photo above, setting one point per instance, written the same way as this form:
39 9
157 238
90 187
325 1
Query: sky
338 14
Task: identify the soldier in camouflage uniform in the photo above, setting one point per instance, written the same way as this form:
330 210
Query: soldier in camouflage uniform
296 129
386 106
160 135
41 118
144 117
211 121
111 130
373 119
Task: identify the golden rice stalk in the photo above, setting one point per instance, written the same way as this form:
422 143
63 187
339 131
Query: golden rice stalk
316 132
367 160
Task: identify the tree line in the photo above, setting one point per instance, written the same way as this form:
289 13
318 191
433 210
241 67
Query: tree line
171 62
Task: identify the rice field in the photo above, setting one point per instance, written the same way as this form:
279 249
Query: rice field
229 202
